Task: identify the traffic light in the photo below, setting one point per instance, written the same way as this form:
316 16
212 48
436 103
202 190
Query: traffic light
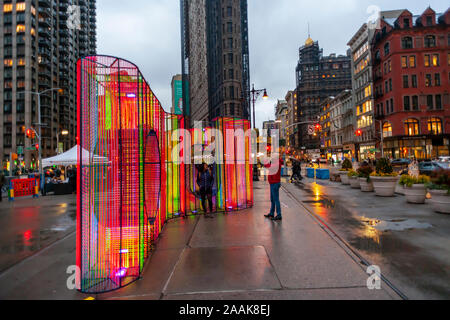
14 157
358 133
318 127
30 134
37 146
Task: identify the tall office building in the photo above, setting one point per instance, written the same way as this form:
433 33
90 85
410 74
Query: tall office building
40 42
215 58
363 95
318 77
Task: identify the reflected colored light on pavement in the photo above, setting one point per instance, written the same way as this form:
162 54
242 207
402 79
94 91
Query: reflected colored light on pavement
369 232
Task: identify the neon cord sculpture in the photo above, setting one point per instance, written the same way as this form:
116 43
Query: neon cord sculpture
131 179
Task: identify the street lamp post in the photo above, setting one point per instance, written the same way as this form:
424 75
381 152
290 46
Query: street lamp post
255 95
382 137
39 133
63 133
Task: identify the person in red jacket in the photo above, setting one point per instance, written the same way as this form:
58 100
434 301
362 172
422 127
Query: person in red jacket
275 185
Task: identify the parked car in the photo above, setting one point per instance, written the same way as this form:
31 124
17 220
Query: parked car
444 159
428 167
401 162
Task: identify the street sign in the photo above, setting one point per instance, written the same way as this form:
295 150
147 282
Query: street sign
19 150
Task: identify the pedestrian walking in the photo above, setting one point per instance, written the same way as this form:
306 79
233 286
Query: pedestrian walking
275 185
296 171
205 182
2 182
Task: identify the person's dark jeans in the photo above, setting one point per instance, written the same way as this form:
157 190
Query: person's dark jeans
206 195
275 199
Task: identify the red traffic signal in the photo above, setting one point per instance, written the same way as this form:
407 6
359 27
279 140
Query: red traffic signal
358 133
30 134
37 146
318 127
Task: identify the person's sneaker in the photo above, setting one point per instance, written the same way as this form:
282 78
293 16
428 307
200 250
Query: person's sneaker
277 219
271 216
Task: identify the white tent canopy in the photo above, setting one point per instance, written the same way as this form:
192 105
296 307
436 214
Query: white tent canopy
70 158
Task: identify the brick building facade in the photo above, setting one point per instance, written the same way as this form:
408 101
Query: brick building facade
411 71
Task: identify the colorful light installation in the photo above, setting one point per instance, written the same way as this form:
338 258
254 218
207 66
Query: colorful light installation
131 179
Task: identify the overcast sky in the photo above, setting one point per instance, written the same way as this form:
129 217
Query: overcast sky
147 32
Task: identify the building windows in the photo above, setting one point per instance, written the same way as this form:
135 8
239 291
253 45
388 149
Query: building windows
405 23
412 127
20 28
429 20
430 41
414 81
429 102
405 81
230 43
404 62
21 6
387 130
407 43
7 7
438 102
415 103
412 61
229 11
387 49
406 103
229 27
231 74
428 80
427 60
437 79
435 60
232 109
8 62
435 126
392 105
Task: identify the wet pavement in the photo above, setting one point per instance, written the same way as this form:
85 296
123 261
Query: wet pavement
238 256
410 243
28 225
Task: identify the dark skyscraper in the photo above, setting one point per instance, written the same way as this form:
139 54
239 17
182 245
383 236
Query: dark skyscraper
40 44
318 77
215 58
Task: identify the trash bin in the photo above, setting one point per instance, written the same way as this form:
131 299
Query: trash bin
310 173
323 174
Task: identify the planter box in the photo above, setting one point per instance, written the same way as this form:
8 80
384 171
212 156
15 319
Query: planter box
440 201
366 186
415 194
384 186
354 183
344 178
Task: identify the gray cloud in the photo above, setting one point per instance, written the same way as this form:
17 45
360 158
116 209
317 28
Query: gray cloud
147 32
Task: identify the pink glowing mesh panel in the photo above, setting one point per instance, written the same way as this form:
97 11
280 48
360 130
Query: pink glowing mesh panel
131 179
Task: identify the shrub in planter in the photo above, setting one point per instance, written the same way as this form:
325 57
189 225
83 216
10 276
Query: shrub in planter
439 188
354 179
365 182
346 167
415 191
384 179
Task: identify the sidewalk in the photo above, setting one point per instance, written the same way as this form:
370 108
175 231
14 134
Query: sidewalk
239 256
